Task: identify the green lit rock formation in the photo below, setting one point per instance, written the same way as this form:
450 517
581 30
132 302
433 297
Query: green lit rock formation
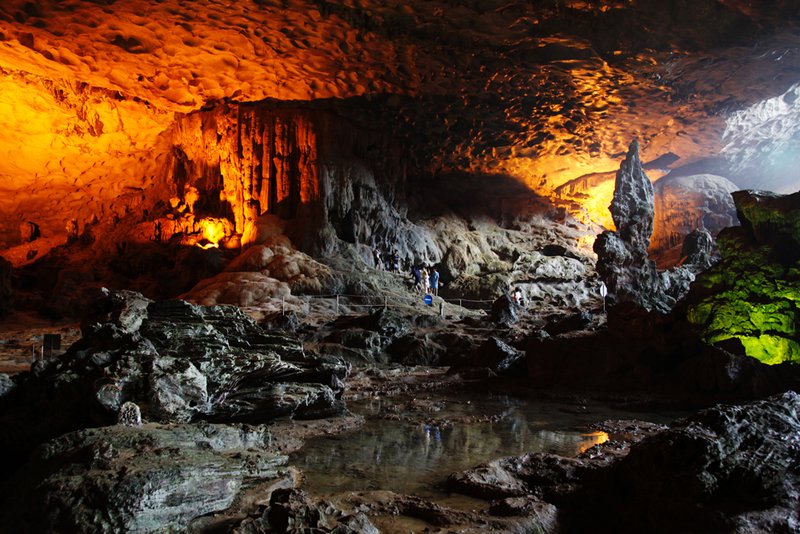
753 294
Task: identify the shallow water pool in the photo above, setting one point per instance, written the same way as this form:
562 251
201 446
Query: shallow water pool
410 445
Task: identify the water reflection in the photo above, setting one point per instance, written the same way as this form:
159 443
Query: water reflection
405 455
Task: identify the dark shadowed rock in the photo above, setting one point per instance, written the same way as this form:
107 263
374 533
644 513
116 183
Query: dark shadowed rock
285 322
5 287
770 218
559 324
421 349
726 469
291 510
505 311
137 479
500 358
699 250
7 385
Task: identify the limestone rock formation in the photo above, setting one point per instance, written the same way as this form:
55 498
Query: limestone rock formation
182 363
750 295
699 250
687 203
137 479
505 311
726 469
622 259
292 510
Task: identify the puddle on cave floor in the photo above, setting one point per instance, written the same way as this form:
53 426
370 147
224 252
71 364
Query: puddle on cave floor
414 448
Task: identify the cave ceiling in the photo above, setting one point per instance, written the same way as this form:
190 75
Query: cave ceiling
547 92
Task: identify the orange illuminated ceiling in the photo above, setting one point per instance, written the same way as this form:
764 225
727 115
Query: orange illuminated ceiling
544 92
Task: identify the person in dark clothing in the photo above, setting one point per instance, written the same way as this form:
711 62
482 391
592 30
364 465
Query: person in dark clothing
417 273
434 281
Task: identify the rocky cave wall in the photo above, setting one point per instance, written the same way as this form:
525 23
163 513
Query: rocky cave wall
317 176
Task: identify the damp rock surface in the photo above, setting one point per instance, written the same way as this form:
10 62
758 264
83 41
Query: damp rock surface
729 468
150 478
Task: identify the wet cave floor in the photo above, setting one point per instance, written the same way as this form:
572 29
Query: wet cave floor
411 441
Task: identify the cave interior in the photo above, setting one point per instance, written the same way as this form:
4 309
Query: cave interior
224 226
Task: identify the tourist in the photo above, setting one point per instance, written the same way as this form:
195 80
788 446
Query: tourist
417 273
426 281
378 260
519 297
395 262
435 282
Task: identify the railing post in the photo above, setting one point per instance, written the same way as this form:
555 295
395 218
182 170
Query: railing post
441 309
385 302
337 304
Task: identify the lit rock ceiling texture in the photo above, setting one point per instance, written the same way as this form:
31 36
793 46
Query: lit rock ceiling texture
544 91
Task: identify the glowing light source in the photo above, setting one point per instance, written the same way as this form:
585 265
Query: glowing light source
592 439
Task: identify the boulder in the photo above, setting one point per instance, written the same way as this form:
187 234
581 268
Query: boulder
730 468
505 311
149 478
500 358
421 349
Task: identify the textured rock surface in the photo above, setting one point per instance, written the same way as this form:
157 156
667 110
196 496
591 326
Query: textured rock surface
91 92
699 250
725 469
751 295
136 479
184 362
622 259
687 203
660 355
730 468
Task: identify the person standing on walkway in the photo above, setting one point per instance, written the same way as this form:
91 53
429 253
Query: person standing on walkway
417 273
435 282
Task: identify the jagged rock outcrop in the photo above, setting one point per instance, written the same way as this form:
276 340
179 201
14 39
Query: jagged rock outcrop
729 468
500 357
291 510
699 250
622 259
726 469
178 362
750 297
150 478
505 311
